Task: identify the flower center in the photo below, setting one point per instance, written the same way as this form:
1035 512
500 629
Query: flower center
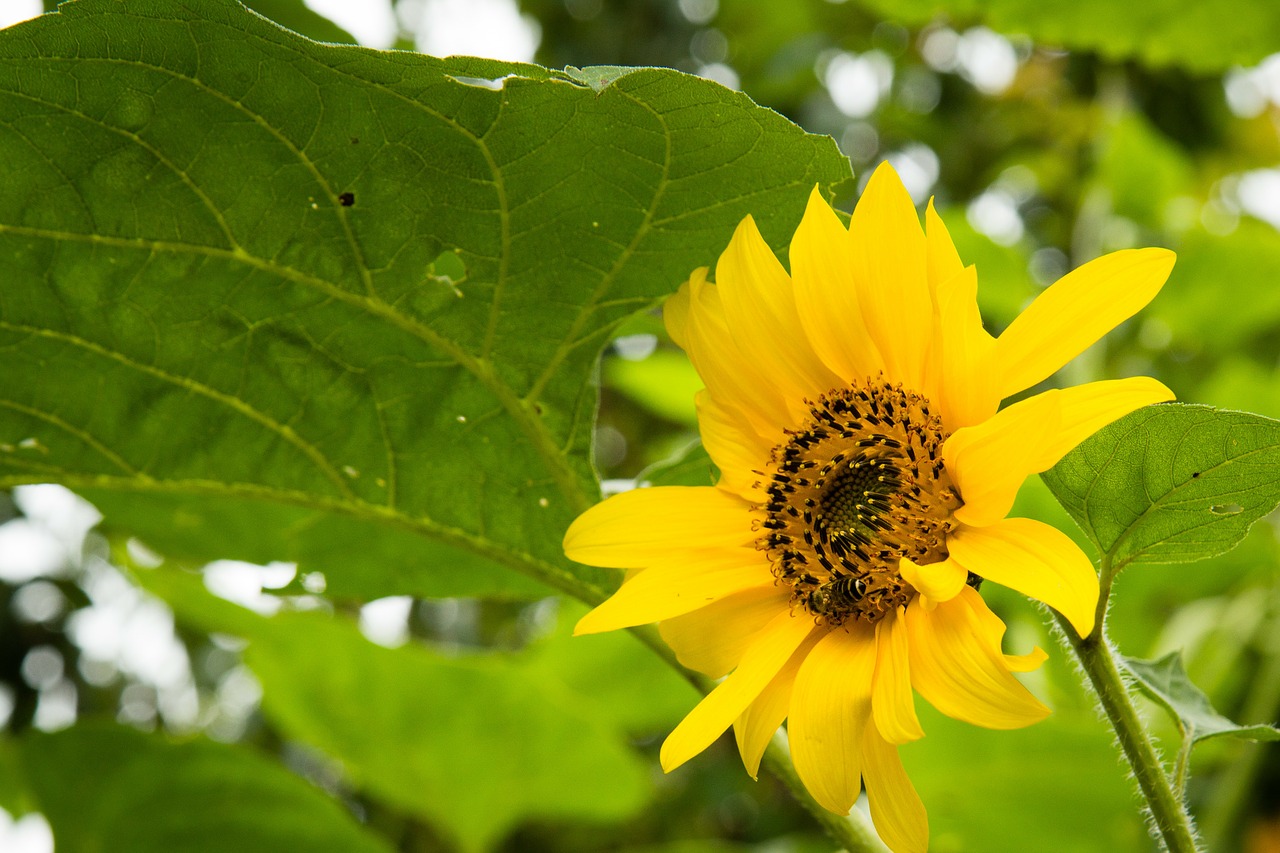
856 488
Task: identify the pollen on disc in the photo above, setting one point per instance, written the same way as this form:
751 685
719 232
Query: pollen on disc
856 488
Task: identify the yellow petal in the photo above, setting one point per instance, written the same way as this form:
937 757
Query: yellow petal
644 527
969 394
730 376
675 311
761 308
712 639
890 272
738 451
1028 662
989 461
994 628
826 297
1088 408
960 672
672 590
896 808
755 728
941 581
1075 312
943 261
1037 560
830 707
766 656
892 703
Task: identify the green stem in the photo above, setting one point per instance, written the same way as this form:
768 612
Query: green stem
1097 657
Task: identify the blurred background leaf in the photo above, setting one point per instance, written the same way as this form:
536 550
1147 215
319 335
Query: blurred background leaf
1208 36
113 788
472 744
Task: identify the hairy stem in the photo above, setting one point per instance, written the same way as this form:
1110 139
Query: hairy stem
1097 657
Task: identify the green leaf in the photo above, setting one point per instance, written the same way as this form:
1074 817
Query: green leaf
111 788
230 317
1171 483
1210 35
1165 682
471 744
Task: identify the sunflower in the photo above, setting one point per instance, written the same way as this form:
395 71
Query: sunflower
866 468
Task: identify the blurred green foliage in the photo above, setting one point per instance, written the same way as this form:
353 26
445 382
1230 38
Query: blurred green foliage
1079 129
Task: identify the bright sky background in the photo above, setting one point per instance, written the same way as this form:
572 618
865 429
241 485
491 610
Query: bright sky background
490 28
11 12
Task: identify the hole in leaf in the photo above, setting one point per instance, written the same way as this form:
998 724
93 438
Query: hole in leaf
481 82
448 269
1226 509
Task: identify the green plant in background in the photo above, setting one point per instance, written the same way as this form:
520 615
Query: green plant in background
270 299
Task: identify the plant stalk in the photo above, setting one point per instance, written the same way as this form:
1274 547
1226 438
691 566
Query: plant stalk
1097 657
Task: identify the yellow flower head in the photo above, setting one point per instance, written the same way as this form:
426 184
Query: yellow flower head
866 471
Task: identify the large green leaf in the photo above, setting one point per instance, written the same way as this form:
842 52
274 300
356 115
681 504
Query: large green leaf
472 745
1210 35
224 321
108 788
1171 483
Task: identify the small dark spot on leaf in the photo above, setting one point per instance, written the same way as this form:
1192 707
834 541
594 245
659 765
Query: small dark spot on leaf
1195 474
355 140
537 408
1226 509
347 199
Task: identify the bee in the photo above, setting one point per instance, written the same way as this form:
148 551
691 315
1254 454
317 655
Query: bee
837 597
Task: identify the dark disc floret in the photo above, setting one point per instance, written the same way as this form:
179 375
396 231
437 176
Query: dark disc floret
860 485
